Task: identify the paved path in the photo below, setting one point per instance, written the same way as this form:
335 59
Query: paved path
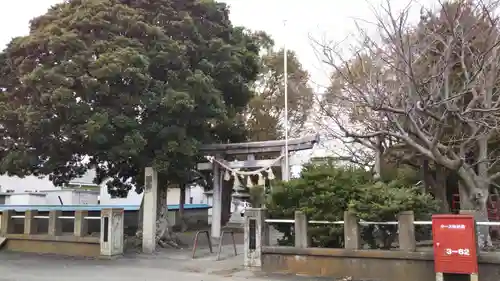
171 265
174 265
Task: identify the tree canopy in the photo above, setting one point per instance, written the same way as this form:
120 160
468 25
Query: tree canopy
119 85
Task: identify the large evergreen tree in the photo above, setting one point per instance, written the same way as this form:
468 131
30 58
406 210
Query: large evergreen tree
119 85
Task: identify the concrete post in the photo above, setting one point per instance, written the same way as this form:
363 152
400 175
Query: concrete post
30 223
81 224
256 236
406 231
54 223
149 210
6 224
301 236
111 232
217 202
352 232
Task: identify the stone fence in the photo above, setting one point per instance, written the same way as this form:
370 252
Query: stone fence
406 263
55 232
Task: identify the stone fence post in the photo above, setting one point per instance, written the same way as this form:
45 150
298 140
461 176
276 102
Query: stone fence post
80 228
301 236
256 236
111 232
352 233
406 231
30 223
6 223
55 225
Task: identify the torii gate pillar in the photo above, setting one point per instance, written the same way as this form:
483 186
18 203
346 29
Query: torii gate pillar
217 203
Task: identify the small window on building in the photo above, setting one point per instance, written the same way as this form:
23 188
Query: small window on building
190 200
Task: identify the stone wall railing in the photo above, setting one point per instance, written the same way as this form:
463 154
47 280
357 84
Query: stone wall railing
48 232
407 262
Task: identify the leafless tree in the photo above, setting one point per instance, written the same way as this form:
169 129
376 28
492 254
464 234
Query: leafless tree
344 149
431 86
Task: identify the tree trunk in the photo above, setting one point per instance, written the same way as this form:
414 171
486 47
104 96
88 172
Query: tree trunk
182 201
475 199
164 233
378 159
484 238
481 194
440 189
437 185
426 175
465 203
227 191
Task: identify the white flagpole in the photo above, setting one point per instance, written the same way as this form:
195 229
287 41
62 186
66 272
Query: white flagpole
285 73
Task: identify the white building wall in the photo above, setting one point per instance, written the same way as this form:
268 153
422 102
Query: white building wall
194 194
29 183
85 197
25 199
71 197
37 199
53 197
75 199
197 192
105 198
173 197
17 199
33 184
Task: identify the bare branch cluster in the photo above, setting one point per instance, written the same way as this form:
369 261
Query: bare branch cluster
433 86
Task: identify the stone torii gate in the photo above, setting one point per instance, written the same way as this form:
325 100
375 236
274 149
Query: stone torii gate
220 151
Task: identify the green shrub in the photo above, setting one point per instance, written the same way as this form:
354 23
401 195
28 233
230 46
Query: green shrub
325 191
322 192
381 202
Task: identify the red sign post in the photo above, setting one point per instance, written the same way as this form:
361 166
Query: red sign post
455 248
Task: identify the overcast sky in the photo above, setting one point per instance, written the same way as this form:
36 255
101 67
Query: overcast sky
330 19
